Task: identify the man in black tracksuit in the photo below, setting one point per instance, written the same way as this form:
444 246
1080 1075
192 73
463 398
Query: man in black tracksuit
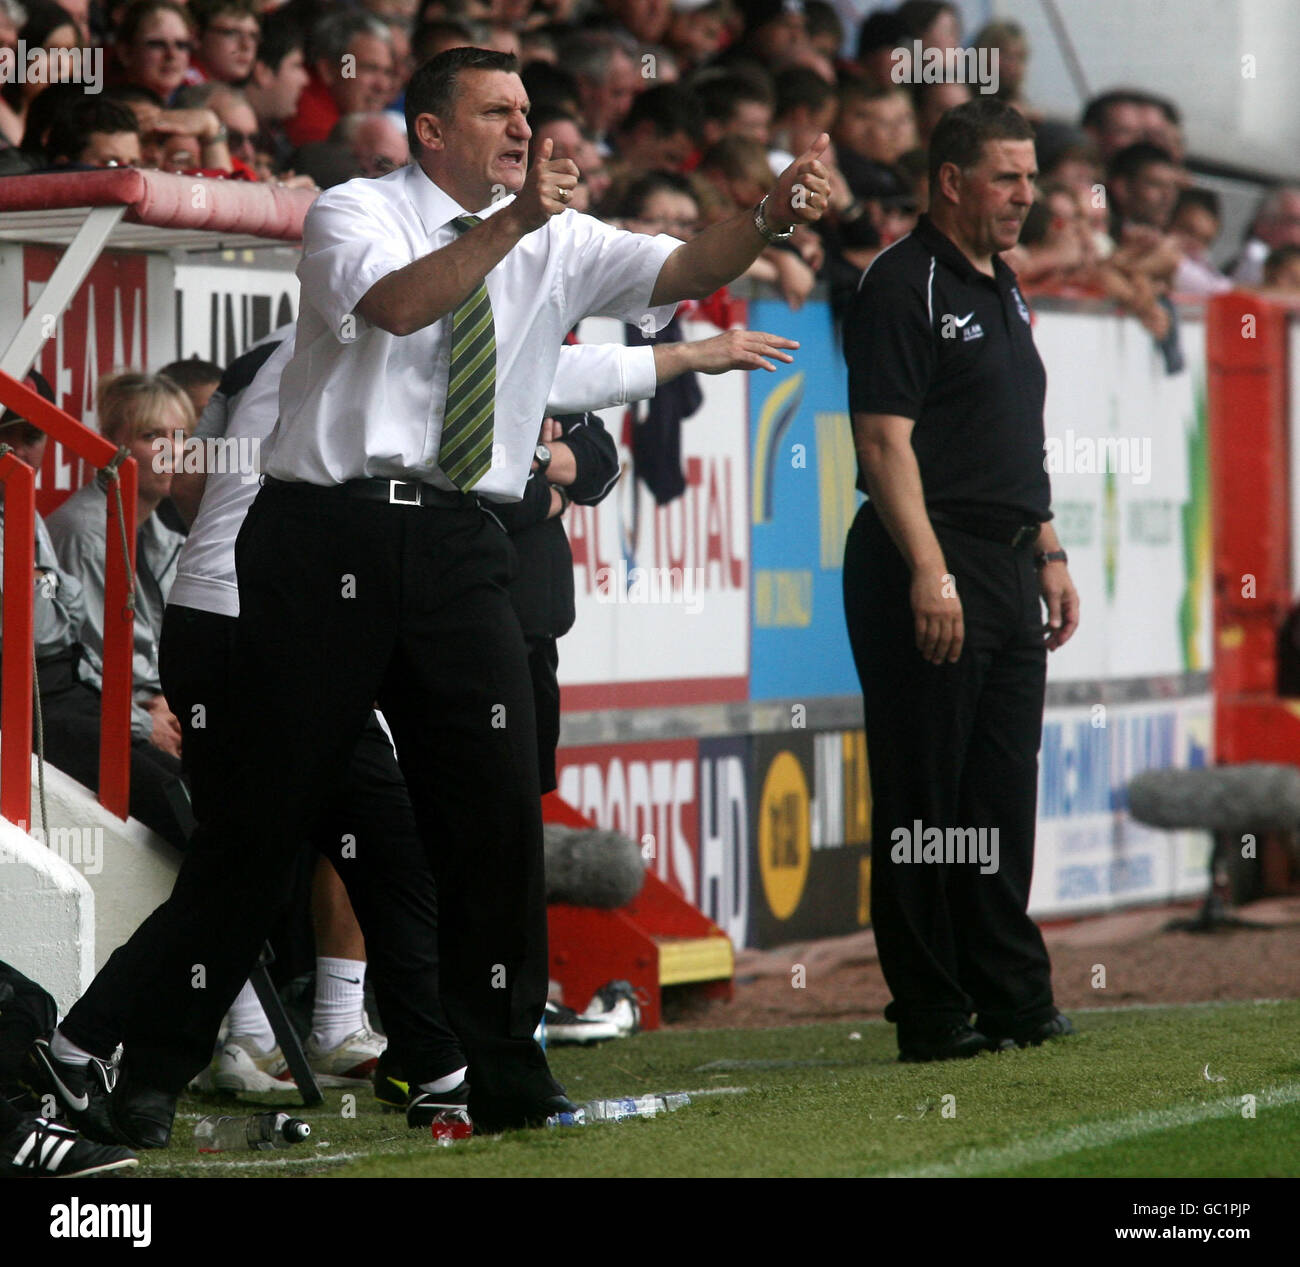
944 571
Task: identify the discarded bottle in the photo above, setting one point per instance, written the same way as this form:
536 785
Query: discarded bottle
575 1118
262 1131
450 1125
634 1106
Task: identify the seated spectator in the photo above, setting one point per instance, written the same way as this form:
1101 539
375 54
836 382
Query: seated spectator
776 36
875 124
825 30
176 140
1008 42
1195 226
142 413
607 82
656 133
1117 119
934 23
68 619
275 86
432 38
536 45
236 119
739 174
47 26
806 106
93 132
567 141
350 59
697 30
932 101
153 45
228 32
1276 224
882 34
376 142
1282 270
1056 246
645 21
733 105
1143 181
198 379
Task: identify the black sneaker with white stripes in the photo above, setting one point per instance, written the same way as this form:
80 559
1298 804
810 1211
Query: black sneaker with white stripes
40 1149
424 1107
80 1092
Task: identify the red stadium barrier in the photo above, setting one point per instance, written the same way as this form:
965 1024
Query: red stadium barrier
1246 389
119 613
19 482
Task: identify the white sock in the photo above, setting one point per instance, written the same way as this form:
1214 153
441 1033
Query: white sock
247 1020
451 1081
340 1006
67 1051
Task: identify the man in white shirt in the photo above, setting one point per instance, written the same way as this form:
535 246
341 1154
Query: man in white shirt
368 570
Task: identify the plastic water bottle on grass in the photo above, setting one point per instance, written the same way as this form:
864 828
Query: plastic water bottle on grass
262 1131
451 1125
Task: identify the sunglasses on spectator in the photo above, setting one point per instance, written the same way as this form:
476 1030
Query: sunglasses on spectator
161 46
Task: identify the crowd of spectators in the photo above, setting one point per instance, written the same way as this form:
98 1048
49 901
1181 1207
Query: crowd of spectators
717 93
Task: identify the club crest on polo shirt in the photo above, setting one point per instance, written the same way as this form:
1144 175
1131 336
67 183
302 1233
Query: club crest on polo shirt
1021 307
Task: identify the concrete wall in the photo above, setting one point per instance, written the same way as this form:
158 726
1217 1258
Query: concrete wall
72 894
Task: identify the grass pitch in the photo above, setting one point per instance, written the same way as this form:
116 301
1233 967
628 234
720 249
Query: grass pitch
1128 1096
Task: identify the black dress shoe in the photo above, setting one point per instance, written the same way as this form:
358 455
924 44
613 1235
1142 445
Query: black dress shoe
493 1118
957 1042
141 1116
1058 1027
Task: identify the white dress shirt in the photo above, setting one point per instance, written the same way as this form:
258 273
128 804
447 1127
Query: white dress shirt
589 376
356 401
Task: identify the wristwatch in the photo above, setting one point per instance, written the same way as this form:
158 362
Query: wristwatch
765 230
543 455
1044 557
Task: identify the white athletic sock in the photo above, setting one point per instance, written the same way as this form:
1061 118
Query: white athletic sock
247 1020
340 1007
451 1081
67 1051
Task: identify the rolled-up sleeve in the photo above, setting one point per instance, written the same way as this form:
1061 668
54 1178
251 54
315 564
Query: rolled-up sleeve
597 375
347 246
610 272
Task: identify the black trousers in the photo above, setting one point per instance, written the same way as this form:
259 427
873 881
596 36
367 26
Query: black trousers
543 668
71 722
952 746
369 835
344 603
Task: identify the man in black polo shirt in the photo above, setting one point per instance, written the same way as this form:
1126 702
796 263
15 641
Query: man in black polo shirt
944 571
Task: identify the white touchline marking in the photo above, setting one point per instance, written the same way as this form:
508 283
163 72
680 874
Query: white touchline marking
1073 1139
715 1091
283 1161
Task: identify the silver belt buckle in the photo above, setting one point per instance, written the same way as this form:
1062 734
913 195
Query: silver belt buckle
395 500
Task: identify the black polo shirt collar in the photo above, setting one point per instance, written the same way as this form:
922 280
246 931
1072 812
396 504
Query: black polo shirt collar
948 253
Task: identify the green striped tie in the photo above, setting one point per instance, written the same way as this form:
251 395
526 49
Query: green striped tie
465 451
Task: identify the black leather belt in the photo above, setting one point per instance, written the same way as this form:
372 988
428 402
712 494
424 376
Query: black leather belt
1004 531
394 492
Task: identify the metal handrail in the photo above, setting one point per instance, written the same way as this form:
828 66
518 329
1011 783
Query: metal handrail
119 616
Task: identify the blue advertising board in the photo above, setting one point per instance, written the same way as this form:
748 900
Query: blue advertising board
802 501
